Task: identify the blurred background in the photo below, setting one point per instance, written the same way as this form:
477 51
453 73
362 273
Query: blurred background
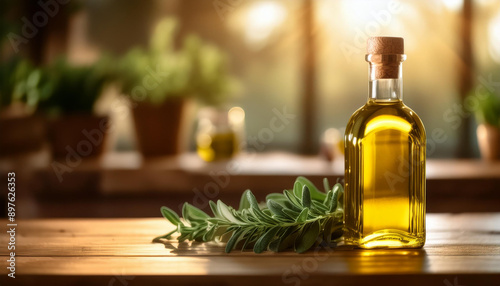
114 108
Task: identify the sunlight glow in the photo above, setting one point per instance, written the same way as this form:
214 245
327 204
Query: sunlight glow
236 116
261 21
453 5
494 38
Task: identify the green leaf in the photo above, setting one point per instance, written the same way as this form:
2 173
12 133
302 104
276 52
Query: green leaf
302 216
288 239
170 215
223 209
315 193
326 185
263 242
280 244
252 200
335 197
192 213
328 198
289 205
276 208
261 216
292 199
290 213
306 197
275 245
244 202
297 189
209 235
250 238
214 220
340 196
275 197
198 234
234 239
327 230
320 207
308 237
213 207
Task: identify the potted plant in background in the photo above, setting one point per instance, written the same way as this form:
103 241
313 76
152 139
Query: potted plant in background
22 131
488 130
68 98
162 82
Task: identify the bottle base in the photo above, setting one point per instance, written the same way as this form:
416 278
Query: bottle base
389 238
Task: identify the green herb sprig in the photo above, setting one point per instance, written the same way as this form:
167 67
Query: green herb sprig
298 218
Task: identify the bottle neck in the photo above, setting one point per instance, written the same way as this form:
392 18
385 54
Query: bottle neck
386 78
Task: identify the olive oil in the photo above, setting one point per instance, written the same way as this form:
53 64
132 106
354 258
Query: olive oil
385 160
212 147
220 133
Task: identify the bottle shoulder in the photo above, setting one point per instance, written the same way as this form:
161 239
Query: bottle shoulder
382 114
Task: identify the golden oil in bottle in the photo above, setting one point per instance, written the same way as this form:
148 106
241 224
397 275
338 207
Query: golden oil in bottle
216 146
220 133
385 146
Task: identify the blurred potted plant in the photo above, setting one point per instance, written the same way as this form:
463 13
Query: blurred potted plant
488 130
162 81
19 94
68 98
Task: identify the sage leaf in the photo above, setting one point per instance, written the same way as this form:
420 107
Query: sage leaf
327 230
213 207
315 193
252 200
297 189
334 201
263 242
234 239
308 237
302 216
223 209
292 199
306 197
326 185
170 215
193 213
277 244
291 213
276 208
287 204
249 239
244 202
275 197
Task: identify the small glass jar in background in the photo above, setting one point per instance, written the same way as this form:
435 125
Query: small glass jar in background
220 133
332 144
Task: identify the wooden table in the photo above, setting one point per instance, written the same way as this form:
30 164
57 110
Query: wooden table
461 249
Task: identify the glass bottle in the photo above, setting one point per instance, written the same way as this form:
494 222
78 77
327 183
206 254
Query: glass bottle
385 146
220 133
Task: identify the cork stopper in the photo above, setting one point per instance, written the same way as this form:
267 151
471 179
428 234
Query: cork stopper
385 55
385 46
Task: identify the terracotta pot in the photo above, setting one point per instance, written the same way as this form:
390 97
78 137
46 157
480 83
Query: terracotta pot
160 129
78 135
21 135
488 137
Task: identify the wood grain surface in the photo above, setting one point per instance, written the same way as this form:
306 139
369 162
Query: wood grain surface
462 247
